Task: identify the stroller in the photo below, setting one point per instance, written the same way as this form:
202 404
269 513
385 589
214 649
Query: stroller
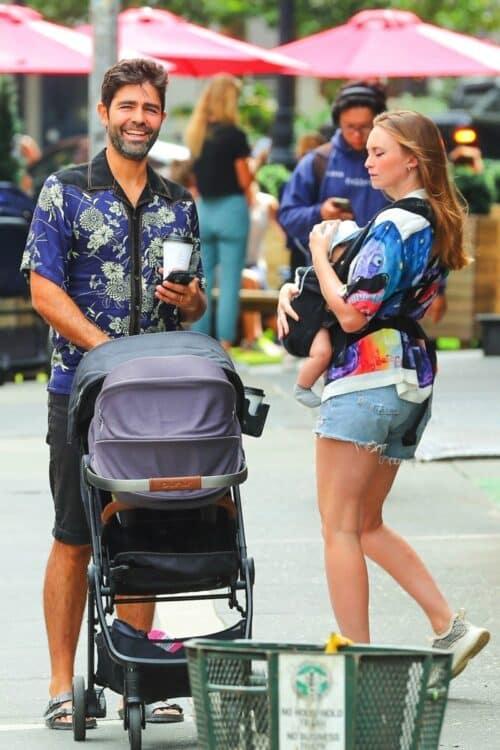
159 420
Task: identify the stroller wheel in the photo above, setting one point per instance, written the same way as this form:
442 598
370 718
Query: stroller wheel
79 708
135 726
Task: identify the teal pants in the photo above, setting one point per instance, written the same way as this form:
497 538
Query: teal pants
224 224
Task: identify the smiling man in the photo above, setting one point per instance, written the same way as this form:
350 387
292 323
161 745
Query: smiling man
94 255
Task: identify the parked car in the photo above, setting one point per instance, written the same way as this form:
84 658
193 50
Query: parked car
474 116
74 150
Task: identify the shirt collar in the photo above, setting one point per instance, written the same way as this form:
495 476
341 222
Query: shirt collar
100 177
419 193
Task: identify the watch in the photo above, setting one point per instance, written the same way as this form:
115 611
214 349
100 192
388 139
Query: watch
342 291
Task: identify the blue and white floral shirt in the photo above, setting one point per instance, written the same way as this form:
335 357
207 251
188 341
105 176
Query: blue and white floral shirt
87 238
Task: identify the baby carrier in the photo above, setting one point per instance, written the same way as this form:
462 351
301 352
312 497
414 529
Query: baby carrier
159 419
310 305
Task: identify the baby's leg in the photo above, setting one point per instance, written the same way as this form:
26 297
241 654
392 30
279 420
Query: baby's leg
312 368
317 361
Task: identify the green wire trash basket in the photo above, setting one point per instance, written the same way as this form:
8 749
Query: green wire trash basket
263 696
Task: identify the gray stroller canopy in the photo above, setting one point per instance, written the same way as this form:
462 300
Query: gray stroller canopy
168 427
98 362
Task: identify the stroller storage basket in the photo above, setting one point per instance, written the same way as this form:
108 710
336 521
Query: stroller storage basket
278 696
166 675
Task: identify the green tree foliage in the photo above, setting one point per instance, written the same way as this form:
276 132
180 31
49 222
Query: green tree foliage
482 17
9 128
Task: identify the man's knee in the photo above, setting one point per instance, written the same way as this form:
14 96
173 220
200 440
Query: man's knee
71 554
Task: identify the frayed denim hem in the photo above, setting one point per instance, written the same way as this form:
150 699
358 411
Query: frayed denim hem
372 446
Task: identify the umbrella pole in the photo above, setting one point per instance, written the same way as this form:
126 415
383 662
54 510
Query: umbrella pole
282 134
104 22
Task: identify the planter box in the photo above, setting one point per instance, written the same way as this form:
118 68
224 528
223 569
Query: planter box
490 333
475 290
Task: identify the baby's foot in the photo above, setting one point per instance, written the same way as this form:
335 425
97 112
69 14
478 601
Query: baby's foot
306 396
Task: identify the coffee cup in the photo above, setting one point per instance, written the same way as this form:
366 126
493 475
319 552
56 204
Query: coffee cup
254 396
176 254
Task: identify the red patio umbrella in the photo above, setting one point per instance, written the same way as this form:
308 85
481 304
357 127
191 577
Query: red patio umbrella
194 50
31 45
392 44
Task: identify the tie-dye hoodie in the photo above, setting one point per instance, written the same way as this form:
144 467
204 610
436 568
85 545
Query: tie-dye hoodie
393 259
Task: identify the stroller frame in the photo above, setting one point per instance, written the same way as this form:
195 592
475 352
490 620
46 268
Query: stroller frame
135 675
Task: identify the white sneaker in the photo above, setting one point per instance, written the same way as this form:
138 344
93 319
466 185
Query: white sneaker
463 639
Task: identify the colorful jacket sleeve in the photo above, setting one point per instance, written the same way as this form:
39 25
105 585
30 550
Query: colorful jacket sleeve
392 260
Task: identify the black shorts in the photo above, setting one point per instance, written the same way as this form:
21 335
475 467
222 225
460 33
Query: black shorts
70 524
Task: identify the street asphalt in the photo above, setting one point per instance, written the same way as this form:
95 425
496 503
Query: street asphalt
449 509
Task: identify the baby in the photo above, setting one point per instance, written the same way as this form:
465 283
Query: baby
321 352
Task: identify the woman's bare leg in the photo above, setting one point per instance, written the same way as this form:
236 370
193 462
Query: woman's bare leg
394 554
344 473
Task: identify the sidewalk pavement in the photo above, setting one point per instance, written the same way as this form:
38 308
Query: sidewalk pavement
449 509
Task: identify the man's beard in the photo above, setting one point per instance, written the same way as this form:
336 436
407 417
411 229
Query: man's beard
137 151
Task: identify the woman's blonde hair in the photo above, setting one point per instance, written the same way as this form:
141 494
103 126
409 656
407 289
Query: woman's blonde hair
218 103
419 136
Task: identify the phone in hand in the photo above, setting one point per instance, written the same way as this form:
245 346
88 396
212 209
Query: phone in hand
180 277
343 203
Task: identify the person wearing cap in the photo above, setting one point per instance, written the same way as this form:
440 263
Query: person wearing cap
335 170
321 351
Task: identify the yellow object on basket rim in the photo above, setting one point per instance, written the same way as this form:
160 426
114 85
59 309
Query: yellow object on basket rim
336 641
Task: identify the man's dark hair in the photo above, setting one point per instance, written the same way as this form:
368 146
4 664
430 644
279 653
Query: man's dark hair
359 94
134 71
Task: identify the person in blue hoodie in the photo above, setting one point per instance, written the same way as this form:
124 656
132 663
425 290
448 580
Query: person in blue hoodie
331 182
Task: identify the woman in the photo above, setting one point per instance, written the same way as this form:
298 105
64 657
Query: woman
376 399
220 150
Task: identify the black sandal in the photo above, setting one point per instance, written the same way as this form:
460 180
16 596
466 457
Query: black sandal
56 710
155 715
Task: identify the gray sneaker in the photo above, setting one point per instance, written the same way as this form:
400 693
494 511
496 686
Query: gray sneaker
463 639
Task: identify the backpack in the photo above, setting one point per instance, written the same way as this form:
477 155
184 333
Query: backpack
15 202
320 160
310 305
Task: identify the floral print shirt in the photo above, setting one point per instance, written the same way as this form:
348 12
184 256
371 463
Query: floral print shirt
391 276
87 238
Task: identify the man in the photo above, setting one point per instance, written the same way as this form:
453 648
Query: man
93 255
334 171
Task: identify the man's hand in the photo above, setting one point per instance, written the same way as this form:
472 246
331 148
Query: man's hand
189 298
329 210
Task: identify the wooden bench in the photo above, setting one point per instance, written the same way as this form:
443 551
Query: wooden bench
260 300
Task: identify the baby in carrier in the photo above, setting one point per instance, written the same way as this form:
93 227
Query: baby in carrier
320 353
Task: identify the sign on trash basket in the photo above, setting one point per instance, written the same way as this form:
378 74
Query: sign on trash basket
311 701
261 696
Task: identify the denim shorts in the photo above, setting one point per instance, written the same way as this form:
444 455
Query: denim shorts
376 418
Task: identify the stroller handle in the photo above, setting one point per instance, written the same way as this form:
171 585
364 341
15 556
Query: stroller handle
166 484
